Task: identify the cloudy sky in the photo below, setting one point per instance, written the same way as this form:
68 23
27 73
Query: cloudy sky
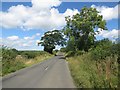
23 23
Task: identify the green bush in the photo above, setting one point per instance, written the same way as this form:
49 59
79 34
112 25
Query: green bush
12 67
70 54
97 68
55 52
31 54
79 53
28 55
9 63
63 49
8 54
102 49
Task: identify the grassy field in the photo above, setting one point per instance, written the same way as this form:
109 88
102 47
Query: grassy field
87 73
13 60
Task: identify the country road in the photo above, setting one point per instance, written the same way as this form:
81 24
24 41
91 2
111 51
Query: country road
52 73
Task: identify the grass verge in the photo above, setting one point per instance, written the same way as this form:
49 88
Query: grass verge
87 73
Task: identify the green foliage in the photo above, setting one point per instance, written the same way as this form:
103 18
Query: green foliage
97 68
80 28
12 66
86 73
63 49
55 52
51 39
79 53
11 62
104 48
93 64
116 49
30 54
71 46
8 54
74 53
70 54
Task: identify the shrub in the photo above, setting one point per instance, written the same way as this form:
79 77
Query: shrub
8 54
9 63
70 54
79 53
102 50
63 49
12 67
28 55
31 54
55 52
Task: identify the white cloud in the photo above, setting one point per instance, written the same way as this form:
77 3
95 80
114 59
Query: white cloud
42 15
37 41
70 12
29 38
25 43
32 37
45 4
13 38
8 20
19 44
37 34
112 34
107 12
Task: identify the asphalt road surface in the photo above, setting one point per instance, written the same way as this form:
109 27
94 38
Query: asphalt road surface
52 73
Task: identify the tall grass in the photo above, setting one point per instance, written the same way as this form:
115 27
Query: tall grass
88 73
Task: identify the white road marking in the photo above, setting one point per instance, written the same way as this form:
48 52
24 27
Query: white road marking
46 68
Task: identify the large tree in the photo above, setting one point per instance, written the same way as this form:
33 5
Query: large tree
51 39
82 27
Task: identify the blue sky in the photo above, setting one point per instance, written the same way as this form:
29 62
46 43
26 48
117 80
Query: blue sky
23 23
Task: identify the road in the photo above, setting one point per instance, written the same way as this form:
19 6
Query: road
52 73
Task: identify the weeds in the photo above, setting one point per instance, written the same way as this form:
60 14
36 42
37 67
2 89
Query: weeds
90 74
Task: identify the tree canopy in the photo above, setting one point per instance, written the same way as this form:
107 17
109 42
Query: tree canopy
80 28
51 39
80 31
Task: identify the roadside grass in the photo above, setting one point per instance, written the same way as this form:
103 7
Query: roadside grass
20 62
87 73
12 66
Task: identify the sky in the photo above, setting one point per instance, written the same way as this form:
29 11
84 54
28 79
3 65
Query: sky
24 23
